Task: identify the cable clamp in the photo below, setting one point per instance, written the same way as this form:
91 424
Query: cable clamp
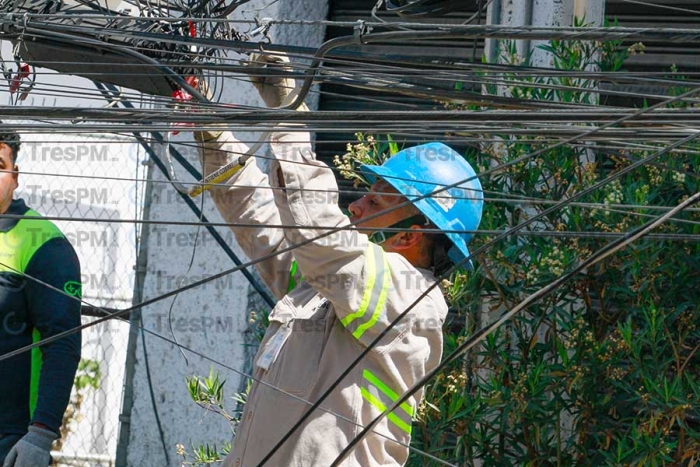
263 28
361 29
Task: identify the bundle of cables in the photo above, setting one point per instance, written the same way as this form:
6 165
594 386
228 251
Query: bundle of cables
424 8
123 43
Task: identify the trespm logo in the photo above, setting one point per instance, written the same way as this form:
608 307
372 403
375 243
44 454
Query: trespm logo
38 195
65 152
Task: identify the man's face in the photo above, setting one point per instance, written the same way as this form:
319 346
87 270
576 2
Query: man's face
382 196
8 178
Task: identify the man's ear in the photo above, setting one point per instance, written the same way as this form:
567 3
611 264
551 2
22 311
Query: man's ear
407 239
15 175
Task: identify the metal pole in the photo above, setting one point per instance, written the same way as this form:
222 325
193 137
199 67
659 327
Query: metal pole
135 325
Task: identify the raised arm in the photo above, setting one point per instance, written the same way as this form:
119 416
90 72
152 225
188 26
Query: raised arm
247 199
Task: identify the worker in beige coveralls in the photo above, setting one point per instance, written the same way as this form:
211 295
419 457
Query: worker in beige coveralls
354 285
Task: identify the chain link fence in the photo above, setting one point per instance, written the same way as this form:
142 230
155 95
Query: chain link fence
93 185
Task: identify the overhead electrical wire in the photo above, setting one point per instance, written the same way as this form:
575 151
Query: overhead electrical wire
483 31
487 172
484 332
182 347
593 133
473 254
649 158
607 207
327 47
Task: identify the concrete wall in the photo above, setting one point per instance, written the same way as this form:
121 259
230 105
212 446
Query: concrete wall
212 319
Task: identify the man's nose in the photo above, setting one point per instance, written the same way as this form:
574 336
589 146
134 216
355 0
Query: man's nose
355 208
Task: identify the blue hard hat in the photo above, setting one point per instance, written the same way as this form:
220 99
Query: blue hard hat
424 169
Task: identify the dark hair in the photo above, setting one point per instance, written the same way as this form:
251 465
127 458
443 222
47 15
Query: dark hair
438 245
10 138
441 261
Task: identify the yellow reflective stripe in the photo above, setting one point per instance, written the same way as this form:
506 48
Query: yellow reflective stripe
367 295
376 403
381 301
366 374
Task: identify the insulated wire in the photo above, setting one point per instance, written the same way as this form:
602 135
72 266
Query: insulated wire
183 347
559 87
224 184
474 253
41 89
522 225
484 332
173 179
111 120
291 247
401 316
530 233
518 199
501 31
439 74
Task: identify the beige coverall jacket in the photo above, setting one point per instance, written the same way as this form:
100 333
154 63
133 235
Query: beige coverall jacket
351 290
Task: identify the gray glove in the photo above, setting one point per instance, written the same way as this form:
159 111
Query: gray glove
33 450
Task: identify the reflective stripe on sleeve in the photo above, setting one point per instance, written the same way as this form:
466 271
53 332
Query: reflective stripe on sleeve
293 272
381 396
374 295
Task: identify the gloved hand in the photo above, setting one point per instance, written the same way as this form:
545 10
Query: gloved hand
274 90
33 450
209 135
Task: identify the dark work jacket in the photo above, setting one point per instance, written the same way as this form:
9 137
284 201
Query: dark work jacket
35 386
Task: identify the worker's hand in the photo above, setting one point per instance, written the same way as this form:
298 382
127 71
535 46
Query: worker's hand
33 450
274 90
208 135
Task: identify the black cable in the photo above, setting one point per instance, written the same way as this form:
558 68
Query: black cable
153 398
195 284
198 212
291 50
116 314
423 8
327 47
563 203
483 332
475 253
240 266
